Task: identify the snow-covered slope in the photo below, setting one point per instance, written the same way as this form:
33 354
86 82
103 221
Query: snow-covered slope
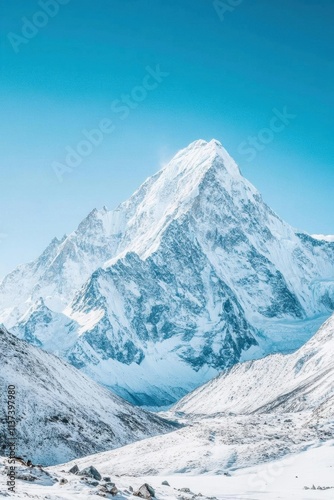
215 446
300 381
179 282
62 414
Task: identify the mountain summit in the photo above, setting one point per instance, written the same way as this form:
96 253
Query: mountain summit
189 276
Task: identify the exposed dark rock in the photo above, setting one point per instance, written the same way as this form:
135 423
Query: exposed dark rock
145 491
114 491
110 487
74 469
26 477
91 472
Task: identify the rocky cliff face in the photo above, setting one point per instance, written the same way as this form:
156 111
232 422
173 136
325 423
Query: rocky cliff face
177 283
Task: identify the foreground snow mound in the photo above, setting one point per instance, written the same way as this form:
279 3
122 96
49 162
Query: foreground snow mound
300 381
61 413
307 475
157 296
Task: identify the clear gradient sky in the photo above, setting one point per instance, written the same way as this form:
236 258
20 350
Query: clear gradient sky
225 78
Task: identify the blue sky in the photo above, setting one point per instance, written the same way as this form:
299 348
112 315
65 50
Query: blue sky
227 74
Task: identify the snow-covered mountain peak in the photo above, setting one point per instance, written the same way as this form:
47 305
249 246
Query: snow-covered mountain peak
171 193
193 265
200 155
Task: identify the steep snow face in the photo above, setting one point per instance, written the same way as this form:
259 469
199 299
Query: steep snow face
158 295
61 413
170 196
59 271
42 327
300 381
157 312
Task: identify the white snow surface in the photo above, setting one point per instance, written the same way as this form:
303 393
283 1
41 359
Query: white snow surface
324 237
283 479
217 445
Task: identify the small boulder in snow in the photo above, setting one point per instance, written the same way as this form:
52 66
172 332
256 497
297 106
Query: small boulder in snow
145 491
90 472
114 491
74 469
110 488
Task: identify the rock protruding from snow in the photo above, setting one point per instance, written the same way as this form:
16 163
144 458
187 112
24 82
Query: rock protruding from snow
90 472
145 491
74 469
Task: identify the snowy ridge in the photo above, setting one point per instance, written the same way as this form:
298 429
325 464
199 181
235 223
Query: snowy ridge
171 195
189 276
62 414
300 381
324 237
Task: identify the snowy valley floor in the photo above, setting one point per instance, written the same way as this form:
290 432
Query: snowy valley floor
234 457
282 479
